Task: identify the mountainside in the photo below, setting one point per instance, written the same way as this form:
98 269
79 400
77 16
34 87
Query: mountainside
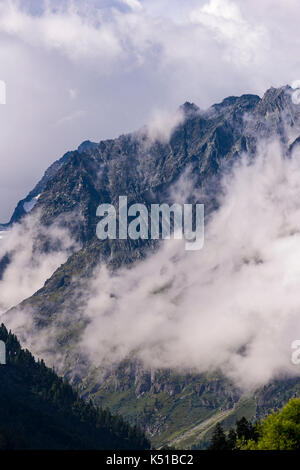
39 410
169 405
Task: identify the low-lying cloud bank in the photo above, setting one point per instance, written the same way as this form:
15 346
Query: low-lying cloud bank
29 264
232 306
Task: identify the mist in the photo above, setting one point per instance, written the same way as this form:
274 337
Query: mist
233 306
29 264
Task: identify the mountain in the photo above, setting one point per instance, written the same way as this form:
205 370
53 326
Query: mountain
27 204
39 410
177 408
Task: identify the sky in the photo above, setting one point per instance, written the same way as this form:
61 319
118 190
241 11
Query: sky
96 69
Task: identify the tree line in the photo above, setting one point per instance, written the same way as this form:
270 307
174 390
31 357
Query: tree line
278 431
40 410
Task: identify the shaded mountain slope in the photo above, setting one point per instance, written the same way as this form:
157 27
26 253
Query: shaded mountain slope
39 410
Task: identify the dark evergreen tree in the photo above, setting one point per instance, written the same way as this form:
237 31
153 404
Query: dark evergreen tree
218 441
245 429
231 439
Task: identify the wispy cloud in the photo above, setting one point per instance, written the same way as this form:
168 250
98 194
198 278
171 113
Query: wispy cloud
30 265
231 306
76 115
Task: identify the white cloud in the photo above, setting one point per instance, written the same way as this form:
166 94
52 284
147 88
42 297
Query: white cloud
76 115
243 42
79 37
234 305
162 123
133 4
73 93
30 266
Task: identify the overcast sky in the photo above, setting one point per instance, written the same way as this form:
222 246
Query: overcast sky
95 69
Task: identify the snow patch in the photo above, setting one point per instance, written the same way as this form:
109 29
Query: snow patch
29 205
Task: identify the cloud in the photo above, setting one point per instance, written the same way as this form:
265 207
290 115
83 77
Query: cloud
243 41
30 265
63 29
134 5
72 93
76 115
162 123
232 306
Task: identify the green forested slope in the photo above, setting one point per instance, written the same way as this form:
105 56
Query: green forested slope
39 410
